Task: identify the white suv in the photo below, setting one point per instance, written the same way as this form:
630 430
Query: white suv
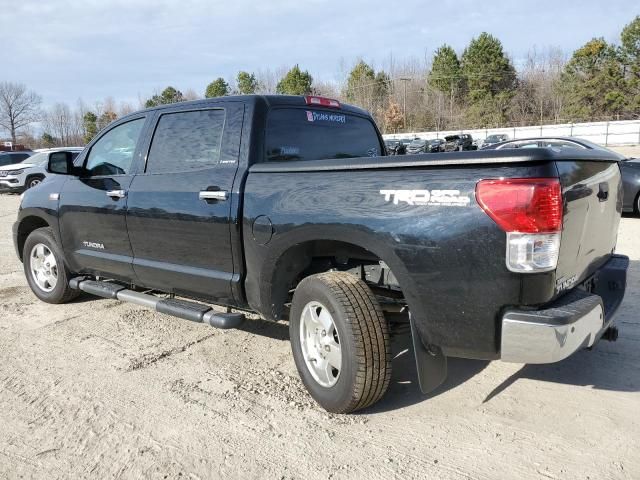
32 171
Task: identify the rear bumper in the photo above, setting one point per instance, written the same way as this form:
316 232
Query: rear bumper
576 320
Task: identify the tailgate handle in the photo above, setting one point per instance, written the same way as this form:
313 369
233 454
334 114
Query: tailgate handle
603 191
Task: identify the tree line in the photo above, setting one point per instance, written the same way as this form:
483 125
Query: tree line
477 88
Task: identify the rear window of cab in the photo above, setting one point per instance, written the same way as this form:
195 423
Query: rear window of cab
295 134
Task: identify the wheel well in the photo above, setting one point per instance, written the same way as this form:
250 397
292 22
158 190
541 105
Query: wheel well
28 225
320 256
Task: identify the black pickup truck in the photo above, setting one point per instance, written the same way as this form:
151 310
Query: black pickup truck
288 207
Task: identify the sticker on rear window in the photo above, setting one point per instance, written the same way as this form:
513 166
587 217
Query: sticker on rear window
289 150
325 117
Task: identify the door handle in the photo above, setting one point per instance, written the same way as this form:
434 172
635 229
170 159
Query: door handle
603 191
212 195
116 193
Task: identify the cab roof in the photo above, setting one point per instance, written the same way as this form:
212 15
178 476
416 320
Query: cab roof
267 101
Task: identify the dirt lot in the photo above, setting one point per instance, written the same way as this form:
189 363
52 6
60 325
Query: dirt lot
103 389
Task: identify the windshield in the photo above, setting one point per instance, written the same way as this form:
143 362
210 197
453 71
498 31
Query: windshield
7 159
37 158
301 134
493 138
418 143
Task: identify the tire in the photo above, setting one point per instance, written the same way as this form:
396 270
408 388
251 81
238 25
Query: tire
33 181
358 328
637 205
41 243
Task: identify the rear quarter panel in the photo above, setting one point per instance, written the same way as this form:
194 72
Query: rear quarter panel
449 259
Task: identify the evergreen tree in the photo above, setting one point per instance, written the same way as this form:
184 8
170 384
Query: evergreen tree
490 79
295 82
486 69
593 82
361 80
217 88
168 95
382 85
49 140
89 121
446 73
630 55
247 83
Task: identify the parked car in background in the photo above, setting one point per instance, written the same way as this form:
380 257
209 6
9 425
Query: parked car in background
493 139
418 145
436 145
454 143
32 171
630 169
395 147
391 145
9 158
550 142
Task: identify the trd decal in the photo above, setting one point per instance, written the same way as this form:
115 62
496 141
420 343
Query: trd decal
443 198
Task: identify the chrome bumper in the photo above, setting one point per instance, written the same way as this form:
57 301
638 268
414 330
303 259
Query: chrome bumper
575 321
532 340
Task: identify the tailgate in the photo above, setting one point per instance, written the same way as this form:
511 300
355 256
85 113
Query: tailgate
592 192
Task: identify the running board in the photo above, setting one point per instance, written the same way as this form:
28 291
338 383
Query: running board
195 312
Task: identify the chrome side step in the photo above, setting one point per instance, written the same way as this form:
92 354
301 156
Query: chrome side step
195 312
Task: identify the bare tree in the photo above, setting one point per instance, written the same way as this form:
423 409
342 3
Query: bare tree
19 107
191 94
63 124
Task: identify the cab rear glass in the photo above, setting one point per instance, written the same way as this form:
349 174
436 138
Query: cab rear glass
295 134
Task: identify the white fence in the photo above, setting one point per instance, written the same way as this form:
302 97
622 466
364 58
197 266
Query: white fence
623 132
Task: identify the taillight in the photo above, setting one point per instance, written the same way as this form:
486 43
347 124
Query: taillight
530 211
321 101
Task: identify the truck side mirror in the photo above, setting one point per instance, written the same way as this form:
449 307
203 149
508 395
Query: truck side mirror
61 163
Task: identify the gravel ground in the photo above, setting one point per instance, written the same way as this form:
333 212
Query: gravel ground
102 389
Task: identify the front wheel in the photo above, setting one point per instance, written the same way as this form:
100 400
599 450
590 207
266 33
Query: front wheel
44 268
34 181
340 341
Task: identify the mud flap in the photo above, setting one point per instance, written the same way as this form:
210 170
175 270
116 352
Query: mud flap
431 364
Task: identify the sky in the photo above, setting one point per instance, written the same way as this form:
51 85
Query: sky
129 49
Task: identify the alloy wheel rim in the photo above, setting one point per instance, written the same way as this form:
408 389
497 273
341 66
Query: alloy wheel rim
320 344
44 268
34 182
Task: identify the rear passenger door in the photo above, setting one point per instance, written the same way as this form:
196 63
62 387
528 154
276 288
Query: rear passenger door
179 213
